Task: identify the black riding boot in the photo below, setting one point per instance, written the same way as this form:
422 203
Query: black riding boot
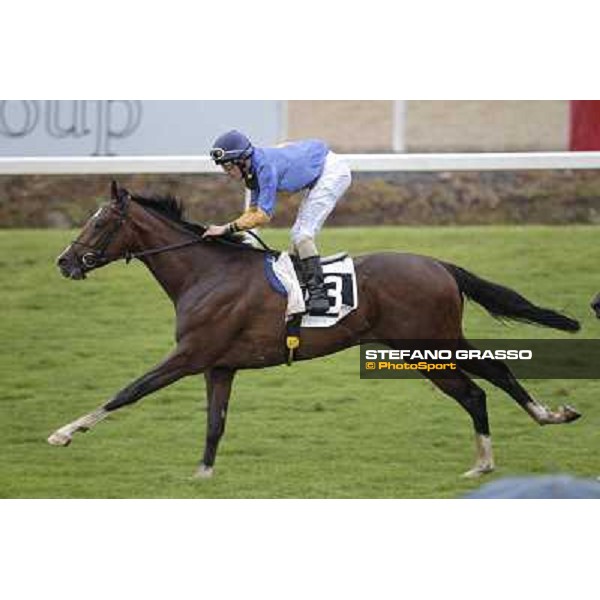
318 303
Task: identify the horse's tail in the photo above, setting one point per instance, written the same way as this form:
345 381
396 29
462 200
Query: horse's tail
502 302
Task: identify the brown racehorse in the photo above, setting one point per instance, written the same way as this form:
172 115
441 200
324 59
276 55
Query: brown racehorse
228 318
596 305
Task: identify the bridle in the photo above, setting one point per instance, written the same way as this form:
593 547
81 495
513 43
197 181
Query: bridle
96 255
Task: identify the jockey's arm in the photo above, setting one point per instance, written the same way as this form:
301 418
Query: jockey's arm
251 218
260 210
262 202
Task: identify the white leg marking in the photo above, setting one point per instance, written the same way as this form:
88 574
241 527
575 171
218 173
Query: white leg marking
204 472
64 435
545 416
539 413
485 459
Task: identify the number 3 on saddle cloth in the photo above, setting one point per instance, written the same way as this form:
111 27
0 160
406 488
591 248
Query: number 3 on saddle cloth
340 282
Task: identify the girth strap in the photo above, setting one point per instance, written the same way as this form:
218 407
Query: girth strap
292 337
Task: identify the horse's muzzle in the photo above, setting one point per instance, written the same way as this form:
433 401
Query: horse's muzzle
70 266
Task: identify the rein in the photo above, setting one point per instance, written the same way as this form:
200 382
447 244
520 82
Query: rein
96 256
129 256
262 243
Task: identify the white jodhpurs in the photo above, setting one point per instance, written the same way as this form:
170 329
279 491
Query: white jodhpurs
321 199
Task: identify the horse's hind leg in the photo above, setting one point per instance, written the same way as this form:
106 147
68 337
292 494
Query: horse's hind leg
472 398
497 373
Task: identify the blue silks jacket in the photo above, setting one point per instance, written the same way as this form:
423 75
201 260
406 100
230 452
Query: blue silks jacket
287 168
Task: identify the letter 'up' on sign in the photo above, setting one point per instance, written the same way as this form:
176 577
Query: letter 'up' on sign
116 119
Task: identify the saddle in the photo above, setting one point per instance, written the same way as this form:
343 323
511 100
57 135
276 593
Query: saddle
285 276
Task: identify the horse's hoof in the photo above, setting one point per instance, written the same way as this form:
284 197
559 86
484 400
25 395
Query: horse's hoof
203 472
478 472
59 439
569 413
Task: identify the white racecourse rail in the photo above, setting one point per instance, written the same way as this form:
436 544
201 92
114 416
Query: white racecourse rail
492 161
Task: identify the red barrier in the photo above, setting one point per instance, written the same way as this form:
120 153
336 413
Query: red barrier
585 125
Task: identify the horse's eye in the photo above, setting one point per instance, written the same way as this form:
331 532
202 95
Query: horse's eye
98 224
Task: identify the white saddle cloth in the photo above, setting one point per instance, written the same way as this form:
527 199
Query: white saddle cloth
340 282
284 269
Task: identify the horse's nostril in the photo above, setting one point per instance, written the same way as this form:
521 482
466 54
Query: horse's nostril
61 260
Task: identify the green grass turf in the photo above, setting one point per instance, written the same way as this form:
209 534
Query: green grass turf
313 430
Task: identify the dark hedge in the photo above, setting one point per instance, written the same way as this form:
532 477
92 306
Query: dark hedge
494 197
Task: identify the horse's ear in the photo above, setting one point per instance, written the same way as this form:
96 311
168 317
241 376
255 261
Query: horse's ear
114 190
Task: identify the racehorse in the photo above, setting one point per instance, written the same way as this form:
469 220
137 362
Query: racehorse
228 317
596 305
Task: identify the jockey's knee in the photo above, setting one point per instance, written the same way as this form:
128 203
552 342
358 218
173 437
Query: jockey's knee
305 245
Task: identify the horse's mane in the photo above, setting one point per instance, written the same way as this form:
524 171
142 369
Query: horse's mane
171 208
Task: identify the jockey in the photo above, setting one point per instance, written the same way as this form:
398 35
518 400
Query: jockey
303 165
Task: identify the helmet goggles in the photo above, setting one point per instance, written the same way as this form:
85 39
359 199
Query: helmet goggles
222 155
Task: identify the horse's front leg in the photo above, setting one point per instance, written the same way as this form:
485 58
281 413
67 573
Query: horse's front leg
218 390
174 367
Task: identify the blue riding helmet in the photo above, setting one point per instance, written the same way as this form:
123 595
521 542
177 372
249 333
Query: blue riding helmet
231 146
